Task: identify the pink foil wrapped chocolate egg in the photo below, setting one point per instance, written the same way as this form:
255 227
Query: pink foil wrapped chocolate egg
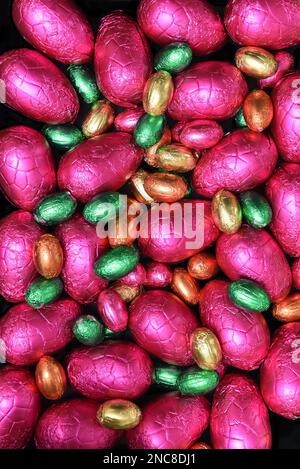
239 417
283 192
158 275
198 134
112 310
26 166
280 373
37 88
170 421
296 273
81 247
123 60
274 24
127 120
253 254
98 165
58 28
115 369
72 424
241 161
192 21
18 233
136 277
208 90
244 337
27 334
179 240
285 62
285 126
19 407
161 323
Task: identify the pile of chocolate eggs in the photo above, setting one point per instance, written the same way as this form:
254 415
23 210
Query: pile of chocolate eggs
146 335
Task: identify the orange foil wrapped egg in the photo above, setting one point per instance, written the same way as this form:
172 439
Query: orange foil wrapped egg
48 256
50 378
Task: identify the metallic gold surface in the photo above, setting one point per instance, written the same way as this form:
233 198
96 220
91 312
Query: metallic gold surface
127 292
119 414
258 110
151 151
158 93
202 266
48 256
288 309
165 187
256 62
138 189
226 212
174 157
99 119
50 378
206 349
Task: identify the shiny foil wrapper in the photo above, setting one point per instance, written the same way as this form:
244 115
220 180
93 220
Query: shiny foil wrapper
198 134
112 310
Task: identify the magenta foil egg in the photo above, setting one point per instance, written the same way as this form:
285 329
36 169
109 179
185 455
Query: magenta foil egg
18 233
27 334
198 134
280 373
136 277
98 165
285 126
170 421
81 247
193 231
123 59
253 254
241 161
161 323
72 424
244 336
112 310
296 273
115 369
58 28
19 407
274 24
126 120
37 88
26 166
158 275
208 90
285 62
283 191
192 21
239 417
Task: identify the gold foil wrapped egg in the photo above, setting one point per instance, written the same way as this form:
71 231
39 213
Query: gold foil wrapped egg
128 293
226 212
185 286
158 93
137 187
99 119
288 309
151 151
174 157
202 266
48 256
206 349
50 378
258 110
256 62
165 187
119 414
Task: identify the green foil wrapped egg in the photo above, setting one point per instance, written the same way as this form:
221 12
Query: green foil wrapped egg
88 330
256 209
166 376
104 207
55 208
117 262
63 137
240 119
249 295
149 130
43 292
173 58
195 382
84 82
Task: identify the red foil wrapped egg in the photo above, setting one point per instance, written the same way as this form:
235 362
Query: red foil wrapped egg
127 120
198 134
112 310
158 275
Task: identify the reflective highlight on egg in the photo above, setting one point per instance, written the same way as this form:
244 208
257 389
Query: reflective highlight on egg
116 263
173 157
136 183
149 130
112 310
202 266
63 137
84 81
166 376
206 348
185 286
98 120
256 209
50 378
198 133
165 187
288 309
119 414
258 110
174 57
196 382
158 92
256 62
88 330
226 212
55 208
248 295
48 256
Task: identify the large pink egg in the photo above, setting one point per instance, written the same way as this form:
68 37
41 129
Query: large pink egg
72 424
174 235
285 62
241 161
208 90
98 165
123 59
274 24
239 417
57 28
111 370
283 191
161 323
280 373
18 233
26 166
253 254
27 334
286 121
170 421
37 88
198 134
81 247
19 407
244 336
192 21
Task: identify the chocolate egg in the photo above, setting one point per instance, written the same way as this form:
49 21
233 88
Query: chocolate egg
198 134
126 120
48 256
161 323
241 161
58 28
122 59
280 373
99 164
158 275
288 309
296 273
208 90
136 277
285 62
192 22
112 310
50 378
244 336
37 88
18 233
26 166
72 424
239 417
110 370
28 334
170 421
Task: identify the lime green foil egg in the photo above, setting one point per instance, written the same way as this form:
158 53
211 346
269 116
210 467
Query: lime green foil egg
166 376
63 137
117 262
55 208
104 207
43 291
256 209
149 130
174 57
196 382
249 295
84 81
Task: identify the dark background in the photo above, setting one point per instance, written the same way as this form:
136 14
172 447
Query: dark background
285 433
